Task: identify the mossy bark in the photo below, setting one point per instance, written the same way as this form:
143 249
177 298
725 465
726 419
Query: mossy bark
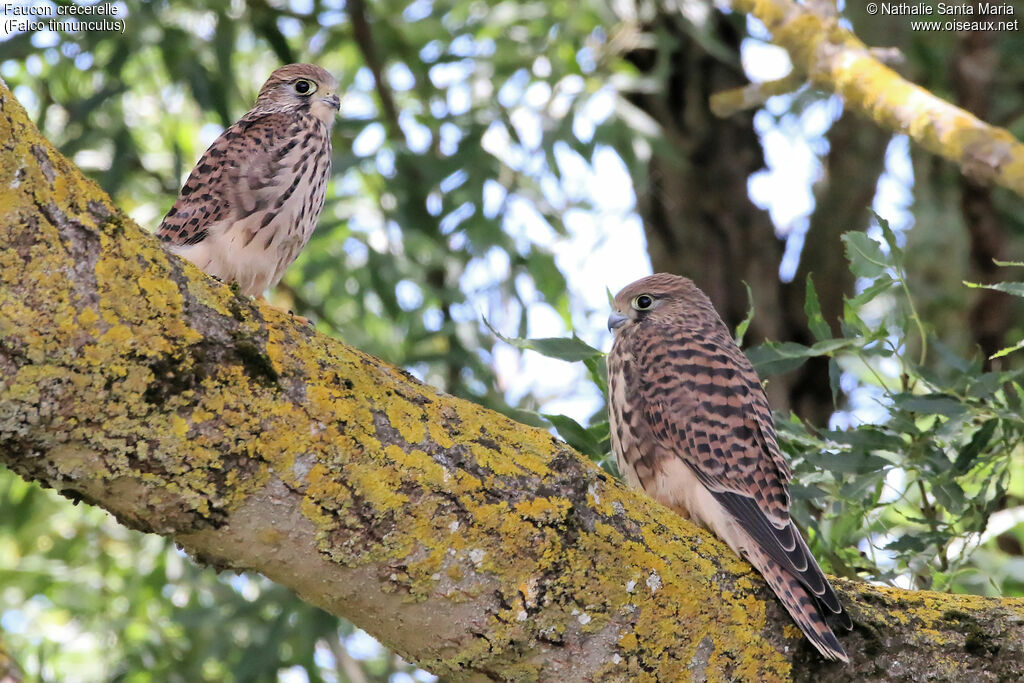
833 58
475 546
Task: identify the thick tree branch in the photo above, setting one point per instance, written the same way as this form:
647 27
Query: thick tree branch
836 60
472 545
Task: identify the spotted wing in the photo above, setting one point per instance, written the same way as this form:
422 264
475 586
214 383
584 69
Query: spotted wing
703 403
238 175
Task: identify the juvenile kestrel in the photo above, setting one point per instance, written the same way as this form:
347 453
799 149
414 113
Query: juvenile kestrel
252 202
691 426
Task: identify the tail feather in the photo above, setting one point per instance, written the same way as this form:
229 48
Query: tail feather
820 588
807 610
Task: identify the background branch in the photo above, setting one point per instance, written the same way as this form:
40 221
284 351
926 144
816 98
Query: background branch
836 60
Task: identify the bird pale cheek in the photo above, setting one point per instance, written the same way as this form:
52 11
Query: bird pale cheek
324 110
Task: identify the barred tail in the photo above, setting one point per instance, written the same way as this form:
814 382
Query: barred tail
807 610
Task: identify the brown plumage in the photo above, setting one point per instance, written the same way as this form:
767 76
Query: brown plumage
252 202
691 426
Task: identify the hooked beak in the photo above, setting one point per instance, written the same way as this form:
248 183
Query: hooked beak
333 101
616 320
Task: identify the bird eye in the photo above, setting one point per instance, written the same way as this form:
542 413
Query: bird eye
304 87
643 302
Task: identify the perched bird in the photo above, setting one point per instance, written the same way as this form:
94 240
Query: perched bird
252 202
691 426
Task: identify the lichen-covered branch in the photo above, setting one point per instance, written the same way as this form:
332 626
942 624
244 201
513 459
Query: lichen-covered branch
833 58
472 545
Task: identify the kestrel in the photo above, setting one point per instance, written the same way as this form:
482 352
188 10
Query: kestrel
252 202
691 426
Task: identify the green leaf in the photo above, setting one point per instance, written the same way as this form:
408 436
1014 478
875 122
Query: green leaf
868 438
1008 350
576 435
549 280
834 375
571 349
1014 288
828 347
951 359
865 486
933 404
850 463
986 385
1015 399
741 329
808 492
975 446
881 284
908 542
598 370
949 495
865 255
815 321
896 254
774 358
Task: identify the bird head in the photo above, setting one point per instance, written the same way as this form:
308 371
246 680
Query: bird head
657 298
302 86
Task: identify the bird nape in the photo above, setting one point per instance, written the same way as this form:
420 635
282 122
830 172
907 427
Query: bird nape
691 427
252 202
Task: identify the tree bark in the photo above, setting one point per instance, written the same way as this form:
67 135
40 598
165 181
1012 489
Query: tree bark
475 546
992 316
